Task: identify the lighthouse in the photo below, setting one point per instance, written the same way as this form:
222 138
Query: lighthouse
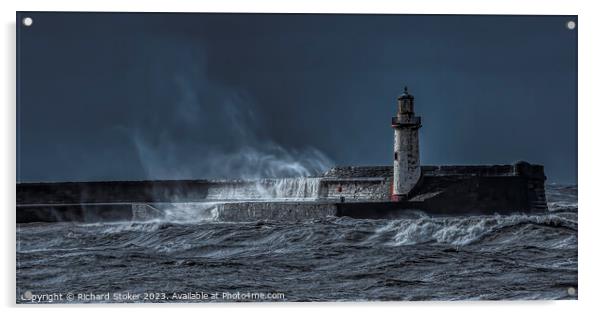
406 156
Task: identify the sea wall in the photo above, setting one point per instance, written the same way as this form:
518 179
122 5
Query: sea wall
520 186
520 168
84 213
355 189
499 187
443 189
166 191
276 211
113 191
360 172
273 189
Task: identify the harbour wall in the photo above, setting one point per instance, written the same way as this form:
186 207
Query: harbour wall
274 211
166 191
343 191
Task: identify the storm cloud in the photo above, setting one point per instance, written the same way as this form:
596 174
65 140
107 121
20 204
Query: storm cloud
116 96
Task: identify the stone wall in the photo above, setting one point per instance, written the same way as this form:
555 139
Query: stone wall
484 170
165 190
518 187
359 172
486 186
275 211
355 189
387 171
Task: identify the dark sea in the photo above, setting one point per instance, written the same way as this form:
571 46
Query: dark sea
495 257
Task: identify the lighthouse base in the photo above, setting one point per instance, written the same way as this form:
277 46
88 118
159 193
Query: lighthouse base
398 197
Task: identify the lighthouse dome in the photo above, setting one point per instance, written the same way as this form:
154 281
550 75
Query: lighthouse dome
405 95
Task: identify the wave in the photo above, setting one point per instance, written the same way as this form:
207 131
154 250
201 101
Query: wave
186 228
296 189
556 231
562 206
562 198
462 231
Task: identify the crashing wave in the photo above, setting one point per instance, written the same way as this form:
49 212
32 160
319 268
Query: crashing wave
562 206
295 189
461 231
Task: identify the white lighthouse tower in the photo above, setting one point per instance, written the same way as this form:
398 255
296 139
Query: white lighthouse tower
406 163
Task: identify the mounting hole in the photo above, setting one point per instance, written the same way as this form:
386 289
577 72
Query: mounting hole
27 21
571 25
571 291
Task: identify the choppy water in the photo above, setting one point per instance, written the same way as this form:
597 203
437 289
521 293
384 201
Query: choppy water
414 258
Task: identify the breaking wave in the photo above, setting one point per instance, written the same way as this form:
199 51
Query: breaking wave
461 231
297 189
452 231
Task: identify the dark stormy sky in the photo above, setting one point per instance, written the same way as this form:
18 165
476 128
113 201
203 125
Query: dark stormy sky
170 96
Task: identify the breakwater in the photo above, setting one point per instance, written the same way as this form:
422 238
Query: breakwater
362 192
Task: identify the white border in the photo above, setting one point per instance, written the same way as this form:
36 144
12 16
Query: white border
589 148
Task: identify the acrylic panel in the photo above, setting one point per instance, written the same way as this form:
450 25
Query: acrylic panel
232 157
